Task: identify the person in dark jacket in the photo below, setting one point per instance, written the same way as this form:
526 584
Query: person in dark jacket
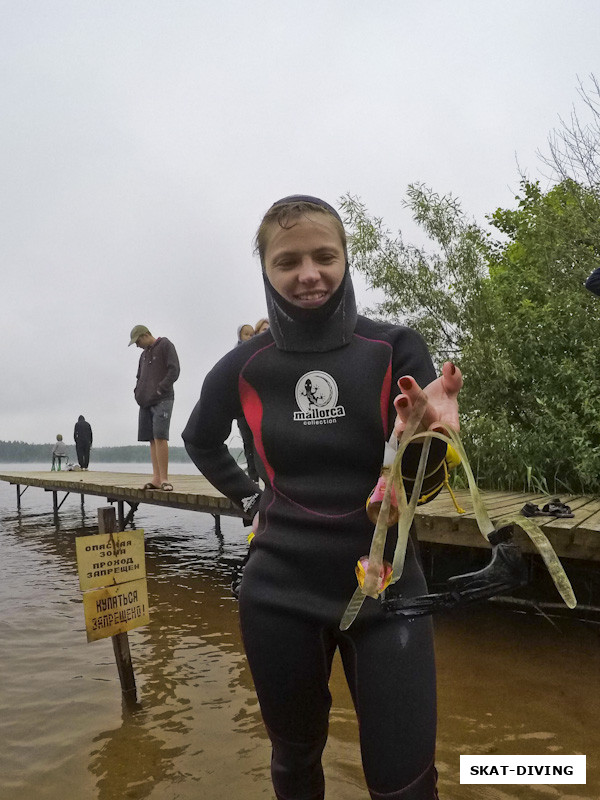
318 390
593 282
158 370
83 441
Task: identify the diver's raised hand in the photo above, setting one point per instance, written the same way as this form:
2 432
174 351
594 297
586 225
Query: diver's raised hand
442 403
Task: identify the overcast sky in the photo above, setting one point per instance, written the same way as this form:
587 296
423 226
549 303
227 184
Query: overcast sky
142 140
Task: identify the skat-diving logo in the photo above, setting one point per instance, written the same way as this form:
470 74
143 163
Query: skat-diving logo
317 396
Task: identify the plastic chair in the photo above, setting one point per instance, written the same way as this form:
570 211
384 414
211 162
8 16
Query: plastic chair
58 458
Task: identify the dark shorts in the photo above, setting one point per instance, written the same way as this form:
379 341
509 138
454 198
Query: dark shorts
154 421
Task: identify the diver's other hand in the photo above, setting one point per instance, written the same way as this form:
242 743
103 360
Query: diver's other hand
255 523
442 402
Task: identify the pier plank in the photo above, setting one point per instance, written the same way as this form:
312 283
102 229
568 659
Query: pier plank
576 537
437 521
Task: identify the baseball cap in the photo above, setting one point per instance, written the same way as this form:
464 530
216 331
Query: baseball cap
138 331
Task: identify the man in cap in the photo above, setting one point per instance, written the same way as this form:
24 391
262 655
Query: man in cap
157 372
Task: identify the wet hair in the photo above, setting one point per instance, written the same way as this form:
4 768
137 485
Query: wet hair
286 215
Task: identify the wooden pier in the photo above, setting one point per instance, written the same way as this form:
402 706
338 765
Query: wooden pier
437 522
190 492
577 537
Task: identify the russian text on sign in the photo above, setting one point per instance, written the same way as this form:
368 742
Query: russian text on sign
108 559
116 609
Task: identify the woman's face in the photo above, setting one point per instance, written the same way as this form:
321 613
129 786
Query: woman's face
305 263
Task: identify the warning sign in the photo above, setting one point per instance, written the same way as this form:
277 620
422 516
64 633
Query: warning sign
110 558
116 562
116 609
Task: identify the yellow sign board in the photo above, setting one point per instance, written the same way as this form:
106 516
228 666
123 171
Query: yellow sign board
107 559
116 609
117 563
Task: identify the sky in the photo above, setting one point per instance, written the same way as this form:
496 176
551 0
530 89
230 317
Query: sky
141 141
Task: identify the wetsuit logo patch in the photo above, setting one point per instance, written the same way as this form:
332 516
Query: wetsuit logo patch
317 397
248 502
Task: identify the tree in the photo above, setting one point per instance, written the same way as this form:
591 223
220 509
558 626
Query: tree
513 313
431 292
532 378
574 147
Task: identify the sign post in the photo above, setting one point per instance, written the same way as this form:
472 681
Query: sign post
112 575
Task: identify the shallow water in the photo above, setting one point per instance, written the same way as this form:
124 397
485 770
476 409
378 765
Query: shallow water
508 683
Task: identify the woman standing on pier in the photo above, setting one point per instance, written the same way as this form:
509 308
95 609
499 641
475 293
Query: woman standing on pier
318 393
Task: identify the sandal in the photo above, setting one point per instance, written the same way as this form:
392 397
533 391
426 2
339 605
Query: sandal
150 485
557 509
531 510
166 486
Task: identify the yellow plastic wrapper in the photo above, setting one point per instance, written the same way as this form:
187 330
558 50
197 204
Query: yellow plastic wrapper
385 574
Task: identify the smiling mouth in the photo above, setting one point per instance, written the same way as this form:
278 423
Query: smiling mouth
311 298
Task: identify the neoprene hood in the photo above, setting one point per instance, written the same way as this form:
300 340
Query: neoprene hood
308 330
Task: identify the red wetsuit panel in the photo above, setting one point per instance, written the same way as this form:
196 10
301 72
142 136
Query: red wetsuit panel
253 411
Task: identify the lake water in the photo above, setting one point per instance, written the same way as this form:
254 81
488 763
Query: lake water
508 683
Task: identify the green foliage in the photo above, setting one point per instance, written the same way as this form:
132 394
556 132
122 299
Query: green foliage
432 292
513 313
532 383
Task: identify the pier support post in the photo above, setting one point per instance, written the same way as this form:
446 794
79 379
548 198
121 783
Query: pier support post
55 504
107 523
123 518
20 494
120 508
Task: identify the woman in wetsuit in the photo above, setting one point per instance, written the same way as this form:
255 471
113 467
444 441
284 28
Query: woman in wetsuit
317 391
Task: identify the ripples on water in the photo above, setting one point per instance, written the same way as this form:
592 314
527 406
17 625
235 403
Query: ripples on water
508 683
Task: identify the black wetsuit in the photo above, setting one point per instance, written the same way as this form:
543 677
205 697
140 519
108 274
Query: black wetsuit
317 392
320 458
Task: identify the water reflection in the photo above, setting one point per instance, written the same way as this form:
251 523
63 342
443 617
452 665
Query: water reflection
507 683
130 760
512 684
194 686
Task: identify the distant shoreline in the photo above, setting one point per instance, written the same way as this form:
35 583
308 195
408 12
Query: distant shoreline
25 453
22 452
